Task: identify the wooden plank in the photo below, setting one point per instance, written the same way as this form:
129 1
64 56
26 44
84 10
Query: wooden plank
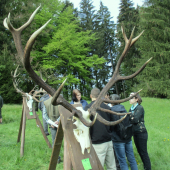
23 134
20 128
42 130
67 161
74 147
56 147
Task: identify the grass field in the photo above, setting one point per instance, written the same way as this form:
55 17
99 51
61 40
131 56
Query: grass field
37 154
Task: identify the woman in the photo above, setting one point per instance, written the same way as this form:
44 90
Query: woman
122 147
140 133
76 98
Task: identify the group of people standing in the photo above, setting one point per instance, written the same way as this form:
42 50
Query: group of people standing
105 139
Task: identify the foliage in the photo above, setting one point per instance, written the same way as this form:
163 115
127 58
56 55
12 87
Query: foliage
155 20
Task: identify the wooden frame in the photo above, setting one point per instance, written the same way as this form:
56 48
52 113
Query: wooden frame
33 115
72 151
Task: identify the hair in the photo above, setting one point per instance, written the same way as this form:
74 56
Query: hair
75 92
114 97
95 92
137 97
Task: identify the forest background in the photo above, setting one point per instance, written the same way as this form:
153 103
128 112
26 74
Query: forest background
85 45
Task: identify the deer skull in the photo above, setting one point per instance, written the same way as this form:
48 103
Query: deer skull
29 101
82 132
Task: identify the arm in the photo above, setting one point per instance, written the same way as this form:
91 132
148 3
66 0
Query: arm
47 119
136 117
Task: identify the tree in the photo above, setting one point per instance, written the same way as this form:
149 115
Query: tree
128 17
155 20
104 46
68 52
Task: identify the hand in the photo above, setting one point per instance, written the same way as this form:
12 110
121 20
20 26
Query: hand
52 126
56 122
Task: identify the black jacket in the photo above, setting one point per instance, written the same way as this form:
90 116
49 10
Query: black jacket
119 109
137 119
99 132
1 102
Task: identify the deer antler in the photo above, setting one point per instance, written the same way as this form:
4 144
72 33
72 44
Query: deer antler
16 82
57 98
116 77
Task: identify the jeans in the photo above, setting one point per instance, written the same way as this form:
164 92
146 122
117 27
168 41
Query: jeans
140 140
124 150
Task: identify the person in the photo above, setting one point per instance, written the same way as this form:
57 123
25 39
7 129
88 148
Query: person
122 147
140 135
1 105
51 114
40 106
76 98
100 134
108 97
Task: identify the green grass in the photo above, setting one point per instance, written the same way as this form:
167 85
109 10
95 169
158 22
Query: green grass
37 154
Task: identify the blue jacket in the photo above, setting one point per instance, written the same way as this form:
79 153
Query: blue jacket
83 102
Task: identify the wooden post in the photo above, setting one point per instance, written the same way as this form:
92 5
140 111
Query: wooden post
23 133
74 148
56 147
42 130
67 161
20 128
25 113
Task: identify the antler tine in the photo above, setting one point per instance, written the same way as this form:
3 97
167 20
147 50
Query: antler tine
9 26
99 118
16 33
16 82
7 23
30 20
127 46
57 93
110 111
121 101
136 73
136 38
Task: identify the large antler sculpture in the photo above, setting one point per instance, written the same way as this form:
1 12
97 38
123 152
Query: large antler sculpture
57 98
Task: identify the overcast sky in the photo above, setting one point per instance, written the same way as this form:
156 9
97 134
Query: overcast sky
113 5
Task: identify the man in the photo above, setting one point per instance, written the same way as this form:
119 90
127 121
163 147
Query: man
40 106
100 134
1 105
51 114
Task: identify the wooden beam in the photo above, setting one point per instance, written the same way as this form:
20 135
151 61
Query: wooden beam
56 147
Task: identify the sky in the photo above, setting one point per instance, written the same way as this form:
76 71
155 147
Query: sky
113 6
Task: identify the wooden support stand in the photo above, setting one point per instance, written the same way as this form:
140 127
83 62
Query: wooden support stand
72 150
33 115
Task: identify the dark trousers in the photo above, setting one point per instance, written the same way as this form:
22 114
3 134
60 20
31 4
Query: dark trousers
140 140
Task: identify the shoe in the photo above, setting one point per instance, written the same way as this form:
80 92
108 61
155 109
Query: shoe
47 134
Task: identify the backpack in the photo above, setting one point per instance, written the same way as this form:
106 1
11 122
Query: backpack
125 129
